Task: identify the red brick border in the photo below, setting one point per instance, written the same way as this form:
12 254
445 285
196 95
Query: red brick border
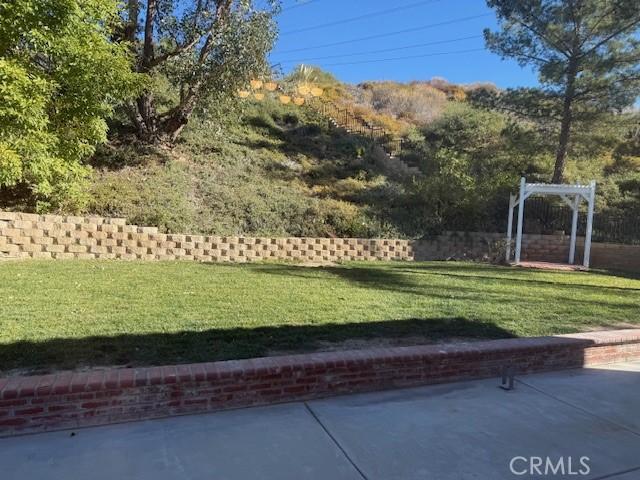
70 400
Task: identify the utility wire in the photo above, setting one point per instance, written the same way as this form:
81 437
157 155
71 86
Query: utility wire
406 47
380 60
298 5
389 34
361 17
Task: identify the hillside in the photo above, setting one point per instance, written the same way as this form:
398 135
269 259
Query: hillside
277 170
210 136
273 169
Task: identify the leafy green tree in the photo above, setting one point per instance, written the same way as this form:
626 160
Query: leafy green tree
471 158
60 78
586 52
205 48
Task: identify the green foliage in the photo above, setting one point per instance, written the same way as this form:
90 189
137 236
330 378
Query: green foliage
60 78
471 159
273 169
156 194
269 176
204 51
241 43
595 38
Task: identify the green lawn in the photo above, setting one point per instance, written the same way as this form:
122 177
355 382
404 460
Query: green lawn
88 313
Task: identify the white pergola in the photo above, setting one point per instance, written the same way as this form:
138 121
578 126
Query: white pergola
572 195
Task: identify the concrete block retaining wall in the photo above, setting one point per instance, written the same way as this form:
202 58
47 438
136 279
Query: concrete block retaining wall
25 235
70 400
52 236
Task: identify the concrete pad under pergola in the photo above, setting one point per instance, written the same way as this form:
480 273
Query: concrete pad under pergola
572 195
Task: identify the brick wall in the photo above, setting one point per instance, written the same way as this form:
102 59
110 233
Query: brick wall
71 400
25 235
555 248
549 248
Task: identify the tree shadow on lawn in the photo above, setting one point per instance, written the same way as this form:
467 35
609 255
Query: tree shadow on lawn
224 344
619 273
489 273
397 279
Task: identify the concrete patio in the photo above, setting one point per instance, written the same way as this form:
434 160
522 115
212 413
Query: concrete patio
469 430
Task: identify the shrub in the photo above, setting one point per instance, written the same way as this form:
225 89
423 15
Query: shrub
146 195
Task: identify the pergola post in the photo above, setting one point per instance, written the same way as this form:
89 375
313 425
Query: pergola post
512 204
520 219
574 230
572 195
587 239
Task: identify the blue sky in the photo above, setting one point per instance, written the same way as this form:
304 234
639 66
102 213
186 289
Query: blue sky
436 29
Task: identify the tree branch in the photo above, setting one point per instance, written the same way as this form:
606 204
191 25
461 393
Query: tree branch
560 47
582 93
174 53
596 25
544 37
612 36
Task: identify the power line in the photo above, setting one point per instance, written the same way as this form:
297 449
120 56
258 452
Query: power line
417 45
361 17
298 5
390 34
380 60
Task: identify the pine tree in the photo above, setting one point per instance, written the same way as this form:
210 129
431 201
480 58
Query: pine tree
586 53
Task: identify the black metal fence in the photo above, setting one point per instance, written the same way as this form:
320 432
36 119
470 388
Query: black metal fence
544 216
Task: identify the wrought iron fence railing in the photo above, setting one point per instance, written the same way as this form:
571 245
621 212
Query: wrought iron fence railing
349 120
546 217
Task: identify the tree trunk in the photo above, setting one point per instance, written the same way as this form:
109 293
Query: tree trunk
145 114
147 128
131 27
147 49
150 126
178 117
567 120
